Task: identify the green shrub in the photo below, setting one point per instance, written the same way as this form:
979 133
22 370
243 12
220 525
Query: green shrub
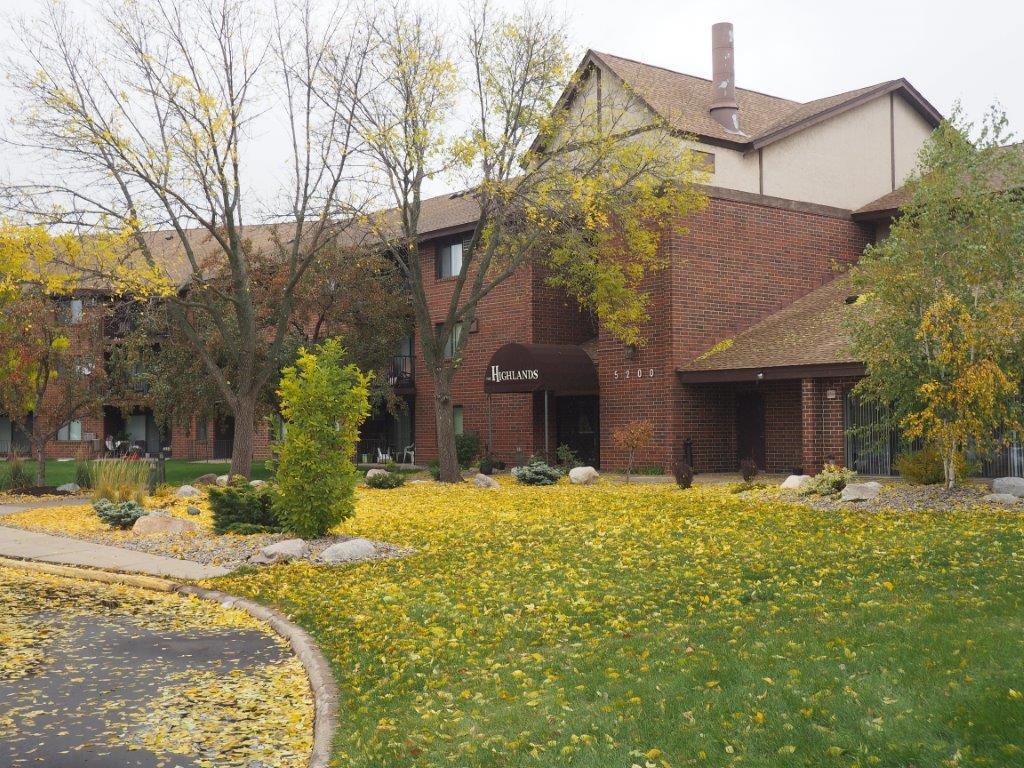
240 504
83 469
567 457
486 465
250 529
537 472
434 468
831 480
467 448
120 480
924 467
118 515
386 480
323 403
17 473
748 470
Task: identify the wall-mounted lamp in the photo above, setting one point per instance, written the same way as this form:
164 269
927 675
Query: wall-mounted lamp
760 375
830 394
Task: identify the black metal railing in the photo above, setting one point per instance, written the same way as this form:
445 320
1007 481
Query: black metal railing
401 373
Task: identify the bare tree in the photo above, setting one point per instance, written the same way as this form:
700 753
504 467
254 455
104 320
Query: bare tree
575 184
148 112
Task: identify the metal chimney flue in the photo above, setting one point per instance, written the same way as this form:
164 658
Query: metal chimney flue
724 108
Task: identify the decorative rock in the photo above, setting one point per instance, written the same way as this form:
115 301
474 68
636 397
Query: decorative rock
1001 498
257 483
152 523
187 492
207 479
1012 485
794 482
68 488
583 475
281 552
347 551
222 480
484 481
861 491
375 472
193 510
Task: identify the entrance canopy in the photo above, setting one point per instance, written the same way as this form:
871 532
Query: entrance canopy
562 368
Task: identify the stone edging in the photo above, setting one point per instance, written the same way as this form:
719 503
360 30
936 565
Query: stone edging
318 671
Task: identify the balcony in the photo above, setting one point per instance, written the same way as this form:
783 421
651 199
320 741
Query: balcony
401 374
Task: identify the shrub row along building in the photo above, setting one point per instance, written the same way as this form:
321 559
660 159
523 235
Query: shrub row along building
745 354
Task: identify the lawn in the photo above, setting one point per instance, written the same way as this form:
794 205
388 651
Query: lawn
648 626
179 471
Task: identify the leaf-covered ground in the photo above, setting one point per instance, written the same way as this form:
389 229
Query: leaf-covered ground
620 626
104 675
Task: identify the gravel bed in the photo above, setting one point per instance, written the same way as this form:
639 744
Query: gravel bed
228 551
904 497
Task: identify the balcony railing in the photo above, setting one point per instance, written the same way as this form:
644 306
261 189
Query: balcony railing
401 373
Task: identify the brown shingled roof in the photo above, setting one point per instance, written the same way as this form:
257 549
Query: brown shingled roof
808 332
886 205
683 101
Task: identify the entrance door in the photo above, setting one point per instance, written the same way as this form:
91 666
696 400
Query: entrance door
223 437
576 425
750 428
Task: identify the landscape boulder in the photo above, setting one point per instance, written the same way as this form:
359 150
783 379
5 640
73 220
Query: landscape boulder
257 483
1012 485
222 480
193 510
485 481
208 479
861 491
281 552
187 492
794 482
583 475
69 488
162 524
375 472
1001 498
347 551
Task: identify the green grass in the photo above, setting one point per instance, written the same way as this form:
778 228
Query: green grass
179 471
644 625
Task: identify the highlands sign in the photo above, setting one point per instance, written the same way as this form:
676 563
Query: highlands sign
523 374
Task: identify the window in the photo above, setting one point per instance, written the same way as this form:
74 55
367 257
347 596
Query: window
201 430
70 432
70 311
457 418
453 339
449 260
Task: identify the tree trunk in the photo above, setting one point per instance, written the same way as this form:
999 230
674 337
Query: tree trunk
39 448
245 431
949 465
447 457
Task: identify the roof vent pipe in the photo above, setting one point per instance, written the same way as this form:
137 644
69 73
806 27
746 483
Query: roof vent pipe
724 108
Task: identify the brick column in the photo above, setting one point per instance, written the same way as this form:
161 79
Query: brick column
810 420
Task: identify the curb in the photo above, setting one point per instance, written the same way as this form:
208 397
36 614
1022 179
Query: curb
318 671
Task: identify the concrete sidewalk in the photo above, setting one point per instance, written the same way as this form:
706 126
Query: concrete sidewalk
24 506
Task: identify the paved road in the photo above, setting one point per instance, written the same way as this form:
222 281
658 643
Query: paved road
86 664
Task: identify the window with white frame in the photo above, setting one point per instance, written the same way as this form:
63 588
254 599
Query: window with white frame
453 340
449 260
70 432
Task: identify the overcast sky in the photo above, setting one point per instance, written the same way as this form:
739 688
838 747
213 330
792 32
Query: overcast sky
798 49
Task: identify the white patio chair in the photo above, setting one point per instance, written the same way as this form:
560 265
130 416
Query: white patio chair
409 452
383 456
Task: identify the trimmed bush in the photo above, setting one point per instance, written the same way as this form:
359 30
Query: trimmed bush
924 467
683 474
118 515
831 480
748 470
323 403
386 480
434 468
467 448
241 508
537 472
567 457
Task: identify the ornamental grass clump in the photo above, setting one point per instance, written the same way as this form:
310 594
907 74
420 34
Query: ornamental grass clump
537 472
120 515
119 480
17 473
830 481
323 403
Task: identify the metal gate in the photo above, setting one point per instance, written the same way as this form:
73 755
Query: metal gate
871 445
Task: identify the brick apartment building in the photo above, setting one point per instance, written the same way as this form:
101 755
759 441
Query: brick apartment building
745 353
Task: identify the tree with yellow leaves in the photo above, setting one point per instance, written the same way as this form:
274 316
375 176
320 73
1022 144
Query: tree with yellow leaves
942 331
579 184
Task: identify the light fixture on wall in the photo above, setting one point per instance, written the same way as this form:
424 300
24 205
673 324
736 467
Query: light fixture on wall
760 375
830 394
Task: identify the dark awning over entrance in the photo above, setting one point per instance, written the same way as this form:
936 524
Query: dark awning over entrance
562 368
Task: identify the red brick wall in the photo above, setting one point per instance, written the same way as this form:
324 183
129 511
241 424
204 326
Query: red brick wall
822 426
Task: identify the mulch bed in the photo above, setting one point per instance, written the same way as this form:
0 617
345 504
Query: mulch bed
905 497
